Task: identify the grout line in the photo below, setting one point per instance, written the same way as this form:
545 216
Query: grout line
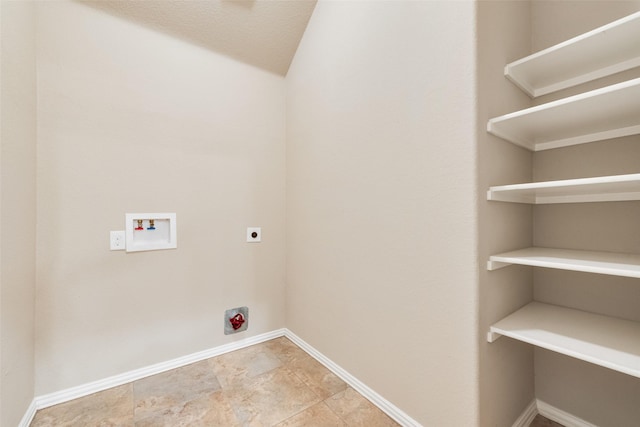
340 417
82 390
41 402
335 413
376 399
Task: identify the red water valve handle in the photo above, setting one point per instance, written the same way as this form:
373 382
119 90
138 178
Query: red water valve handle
237 321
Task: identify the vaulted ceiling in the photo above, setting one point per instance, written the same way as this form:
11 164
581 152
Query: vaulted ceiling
263 33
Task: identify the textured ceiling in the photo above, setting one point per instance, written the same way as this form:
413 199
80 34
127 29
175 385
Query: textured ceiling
264 33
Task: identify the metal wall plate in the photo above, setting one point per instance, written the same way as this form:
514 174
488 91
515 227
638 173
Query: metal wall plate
236 320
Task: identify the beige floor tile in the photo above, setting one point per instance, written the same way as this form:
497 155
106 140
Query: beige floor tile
355 410
540 421
240 365
321 380
206 411
170 392
286 350
319 415
269 384
112 407
270 398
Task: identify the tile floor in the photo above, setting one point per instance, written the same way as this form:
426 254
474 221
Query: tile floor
270 384
540 421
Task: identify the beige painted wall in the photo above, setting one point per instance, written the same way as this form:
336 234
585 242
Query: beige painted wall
506 366
387 167
17 208
131 120
595 394
381 204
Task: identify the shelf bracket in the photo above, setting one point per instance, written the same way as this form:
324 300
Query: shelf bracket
496 265
493 336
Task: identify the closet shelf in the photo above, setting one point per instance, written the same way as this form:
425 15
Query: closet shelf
604 51
609 112
598 189
606 341
610 263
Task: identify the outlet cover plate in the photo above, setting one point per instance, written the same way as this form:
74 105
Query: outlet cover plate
117 240
254 234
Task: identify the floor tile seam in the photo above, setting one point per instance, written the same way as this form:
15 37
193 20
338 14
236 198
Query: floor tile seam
242 386
321 397
162 411
209 361
314 359
290 367
233 407
291 362
303 382
245 381
289 370
133 403
340 417
184 402
299 412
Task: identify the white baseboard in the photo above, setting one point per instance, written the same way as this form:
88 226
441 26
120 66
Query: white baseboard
560 416
551 412
527 416
387 407
45 401
28 416
93 387
40 402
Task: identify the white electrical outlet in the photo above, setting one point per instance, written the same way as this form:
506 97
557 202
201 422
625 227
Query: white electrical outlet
117 240
254 235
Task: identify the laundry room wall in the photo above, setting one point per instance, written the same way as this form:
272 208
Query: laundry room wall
381 190
17 208
131 120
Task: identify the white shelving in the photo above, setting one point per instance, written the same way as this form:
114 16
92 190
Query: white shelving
604 51
599 189
597 115
609 112
606 341
610 263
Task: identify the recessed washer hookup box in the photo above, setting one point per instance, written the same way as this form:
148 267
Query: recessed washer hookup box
150 231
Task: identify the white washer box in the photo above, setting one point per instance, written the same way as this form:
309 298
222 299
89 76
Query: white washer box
159 231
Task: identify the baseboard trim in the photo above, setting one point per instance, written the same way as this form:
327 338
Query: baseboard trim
45 401
387 407
28 416
93 387
39 402
560 416
528 415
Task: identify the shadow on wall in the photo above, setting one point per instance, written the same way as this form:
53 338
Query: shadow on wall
262 34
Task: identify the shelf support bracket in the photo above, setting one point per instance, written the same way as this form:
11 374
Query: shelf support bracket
493 336
496 265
